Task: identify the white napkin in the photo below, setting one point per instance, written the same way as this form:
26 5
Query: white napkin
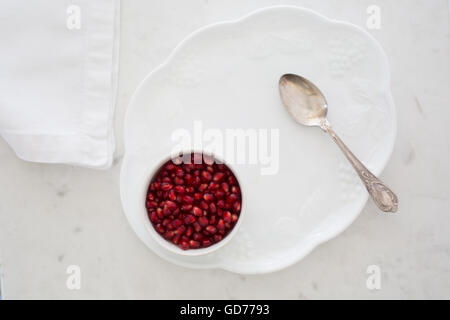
58 78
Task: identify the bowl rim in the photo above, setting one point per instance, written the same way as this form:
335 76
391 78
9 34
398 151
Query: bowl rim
167 244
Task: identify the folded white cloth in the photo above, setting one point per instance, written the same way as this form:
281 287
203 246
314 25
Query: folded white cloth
58 79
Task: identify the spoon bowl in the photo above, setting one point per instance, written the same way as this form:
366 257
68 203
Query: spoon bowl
303 100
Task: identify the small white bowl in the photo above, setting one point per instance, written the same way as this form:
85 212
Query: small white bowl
169 245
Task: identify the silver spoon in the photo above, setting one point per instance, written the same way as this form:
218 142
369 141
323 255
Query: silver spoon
308 106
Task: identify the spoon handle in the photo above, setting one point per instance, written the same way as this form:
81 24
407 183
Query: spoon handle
385 199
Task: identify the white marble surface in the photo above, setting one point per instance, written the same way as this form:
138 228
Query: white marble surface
52 216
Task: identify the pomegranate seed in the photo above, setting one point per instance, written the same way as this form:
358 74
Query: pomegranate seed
217 237
172 205
197 226
219 194
186 207
176 223
218 176
188 199
166 186
203 221
197 211
194 244
208 197
160 228
225 187
198 196
179 189
179 172
172 195
206 243
234 189
152 204
189 219
213 186
170 166
180 230
189 189
169 235
220 203
237 207
234 217
202 187
204 205
231 199
206 175
211 229
220 225
197 236
227 216
178 181
212 207
184 244
189 231
160 213
153 217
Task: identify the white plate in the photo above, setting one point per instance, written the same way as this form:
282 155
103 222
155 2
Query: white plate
226 75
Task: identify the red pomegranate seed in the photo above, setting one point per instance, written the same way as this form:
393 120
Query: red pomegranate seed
218 176
160 228
194 244
197 226
204 205
231 199
220 203
206 175
169 235
171 205
188 199
153 217
197 236
178 181
189 219
166 186
189 189
170 166
203 221
172 195
211 229
227 216
198 196
160 213
179 189
197 211
180 230
225 187
184 244
208 197
193 205
189 231
179 172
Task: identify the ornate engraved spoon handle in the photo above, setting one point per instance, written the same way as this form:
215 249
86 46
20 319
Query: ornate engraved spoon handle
385 199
